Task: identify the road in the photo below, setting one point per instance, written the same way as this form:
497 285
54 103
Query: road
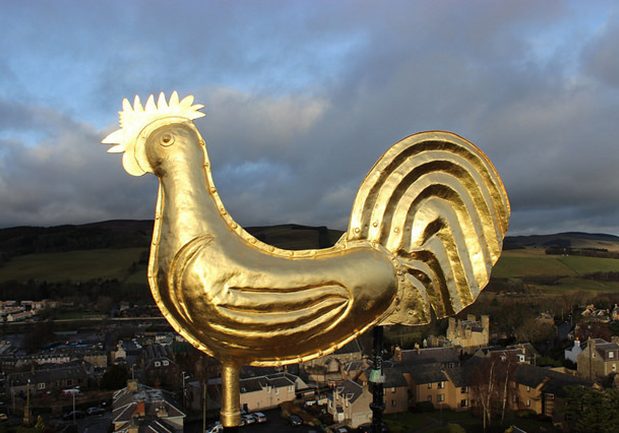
275 423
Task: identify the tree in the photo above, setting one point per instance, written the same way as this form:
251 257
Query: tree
592 410
490 386
115 377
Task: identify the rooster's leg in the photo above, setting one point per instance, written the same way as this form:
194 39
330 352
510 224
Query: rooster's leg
231 399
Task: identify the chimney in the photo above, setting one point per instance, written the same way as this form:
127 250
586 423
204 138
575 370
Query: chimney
485 322
140 409
132 385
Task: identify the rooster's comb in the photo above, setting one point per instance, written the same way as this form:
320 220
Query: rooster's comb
134 118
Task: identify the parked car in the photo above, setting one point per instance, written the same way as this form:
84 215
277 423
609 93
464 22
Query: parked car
248 418
74 414
95 410
295 420
367 428
4 417
260 417
215 428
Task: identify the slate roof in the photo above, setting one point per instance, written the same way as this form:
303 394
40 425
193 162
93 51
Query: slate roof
427 373
460 376
553 382
394 378
277 380
126 403
350 389
49 374
431 355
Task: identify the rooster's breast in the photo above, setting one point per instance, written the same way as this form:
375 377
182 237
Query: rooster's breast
266 307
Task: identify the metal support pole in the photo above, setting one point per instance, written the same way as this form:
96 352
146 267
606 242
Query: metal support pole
231 398
377 379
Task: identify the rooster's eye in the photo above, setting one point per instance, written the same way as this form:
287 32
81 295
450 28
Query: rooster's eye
167 139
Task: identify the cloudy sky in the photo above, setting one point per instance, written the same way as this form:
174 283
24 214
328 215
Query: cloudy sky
303 96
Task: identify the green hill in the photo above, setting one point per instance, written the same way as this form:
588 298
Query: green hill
117 251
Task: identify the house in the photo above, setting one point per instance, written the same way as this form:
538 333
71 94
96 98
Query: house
256 393
140 408
542 390
266 392
446 388
395 390
522 353
350 404
598 359
160 370
328 369
447 357
469 333
572 353
49 378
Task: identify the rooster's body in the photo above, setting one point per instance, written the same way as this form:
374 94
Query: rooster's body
426 228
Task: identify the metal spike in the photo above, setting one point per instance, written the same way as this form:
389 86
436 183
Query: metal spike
150 104
114 138
187 101
161 102
174 99
137 104
127 105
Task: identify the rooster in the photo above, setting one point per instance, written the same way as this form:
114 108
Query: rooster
427 225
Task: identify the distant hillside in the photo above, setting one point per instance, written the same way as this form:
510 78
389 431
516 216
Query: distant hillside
119 234
116 253
575 240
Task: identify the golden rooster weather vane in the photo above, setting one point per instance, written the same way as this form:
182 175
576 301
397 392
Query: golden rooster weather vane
427 226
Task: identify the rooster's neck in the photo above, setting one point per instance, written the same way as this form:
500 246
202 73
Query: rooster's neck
187 203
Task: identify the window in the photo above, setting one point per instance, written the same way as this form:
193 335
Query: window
429 398
429 386
528 388
611 355
157 364
614 367
393 390
41 385
393 403
464 403
441 385
464 389
528 403
440 397
276 391
166 363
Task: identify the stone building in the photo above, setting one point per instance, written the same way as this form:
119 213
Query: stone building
598 359
469 333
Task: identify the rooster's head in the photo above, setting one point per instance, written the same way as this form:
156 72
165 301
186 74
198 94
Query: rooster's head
138 122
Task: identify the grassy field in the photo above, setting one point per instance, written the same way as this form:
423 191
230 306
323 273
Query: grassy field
533 262
72 265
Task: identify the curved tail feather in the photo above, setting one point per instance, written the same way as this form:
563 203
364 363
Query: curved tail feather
437 203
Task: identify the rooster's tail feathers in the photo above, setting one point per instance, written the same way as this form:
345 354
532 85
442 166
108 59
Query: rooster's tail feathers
437 203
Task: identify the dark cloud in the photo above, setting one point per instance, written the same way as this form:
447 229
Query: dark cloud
303 97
